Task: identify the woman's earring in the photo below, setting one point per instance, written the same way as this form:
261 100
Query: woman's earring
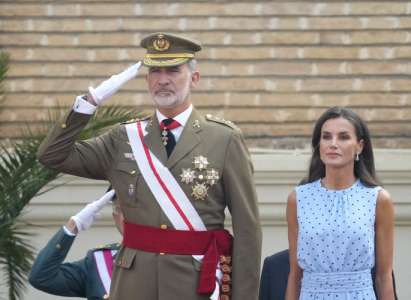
357 157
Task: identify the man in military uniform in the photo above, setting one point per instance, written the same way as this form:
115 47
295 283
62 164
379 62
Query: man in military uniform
89 277
174 174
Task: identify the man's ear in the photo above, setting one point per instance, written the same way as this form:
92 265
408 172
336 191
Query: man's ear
195 78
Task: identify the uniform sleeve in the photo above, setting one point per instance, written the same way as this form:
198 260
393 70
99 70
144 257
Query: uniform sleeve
242 203
49 274
61 152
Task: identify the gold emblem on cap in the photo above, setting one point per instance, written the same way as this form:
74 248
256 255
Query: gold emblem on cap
160 43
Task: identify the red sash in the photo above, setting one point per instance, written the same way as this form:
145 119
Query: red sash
212 244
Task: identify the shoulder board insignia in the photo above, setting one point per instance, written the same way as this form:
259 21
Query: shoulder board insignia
107 246
220 120
136 119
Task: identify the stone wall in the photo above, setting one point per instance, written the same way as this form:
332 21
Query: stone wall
270 66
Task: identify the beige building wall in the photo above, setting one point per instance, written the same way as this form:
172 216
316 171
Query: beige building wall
276 173
270 66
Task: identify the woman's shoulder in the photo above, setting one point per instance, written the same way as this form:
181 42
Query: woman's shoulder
384 196
306 186
385 208
373 189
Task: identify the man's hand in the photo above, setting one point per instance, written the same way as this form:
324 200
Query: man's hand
113 84
85 217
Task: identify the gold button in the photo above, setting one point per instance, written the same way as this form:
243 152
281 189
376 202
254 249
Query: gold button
133 172
163 226
64 125
162 253
58 246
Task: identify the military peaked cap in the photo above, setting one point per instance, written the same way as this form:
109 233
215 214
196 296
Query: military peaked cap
166 50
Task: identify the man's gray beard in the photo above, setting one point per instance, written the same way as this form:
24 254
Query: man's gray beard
166 102
172 100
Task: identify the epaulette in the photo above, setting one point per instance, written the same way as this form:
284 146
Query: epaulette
136 119
107 246
216 119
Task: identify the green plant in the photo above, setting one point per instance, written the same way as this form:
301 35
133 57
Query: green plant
4 62
22 177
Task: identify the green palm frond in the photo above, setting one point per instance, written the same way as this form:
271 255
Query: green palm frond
4 59
22 178
16 255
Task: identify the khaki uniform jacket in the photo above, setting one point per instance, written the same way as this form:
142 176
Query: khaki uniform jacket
148 276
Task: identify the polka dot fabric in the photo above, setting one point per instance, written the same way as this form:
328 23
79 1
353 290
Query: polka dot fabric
335 245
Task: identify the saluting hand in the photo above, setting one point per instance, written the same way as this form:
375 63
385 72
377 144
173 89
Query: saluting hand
110 86
85 217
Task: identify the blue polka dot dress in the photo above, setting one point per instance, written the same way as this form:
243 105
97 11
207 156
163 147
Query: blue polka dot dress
335 245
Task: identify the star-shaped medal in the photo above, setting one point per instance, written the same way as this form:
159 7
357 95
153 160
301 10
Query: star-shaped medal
199 191
212 176
187 175
200 162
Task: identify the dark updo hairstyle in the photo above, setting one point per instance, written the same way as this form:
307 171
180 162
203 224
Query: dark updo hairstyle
364 169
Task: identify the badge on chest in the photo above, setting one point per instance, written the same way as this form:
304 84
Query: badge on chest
200 177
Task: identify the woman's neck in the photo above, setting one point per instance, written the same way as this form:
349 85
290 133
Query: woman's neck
338 179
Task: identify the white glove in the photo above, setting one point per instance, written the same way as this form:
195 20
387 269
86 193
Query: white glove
112 85
85 217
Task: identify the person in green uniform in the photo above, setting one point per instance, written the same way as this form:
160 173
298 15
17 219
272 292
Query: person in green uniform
87 278
174 189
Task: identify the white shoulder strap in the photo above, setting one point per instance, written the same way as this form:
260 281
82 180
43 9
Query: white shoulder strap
104 263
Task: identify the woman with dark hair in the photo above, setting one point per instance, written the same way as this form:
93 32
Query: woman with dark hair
340 221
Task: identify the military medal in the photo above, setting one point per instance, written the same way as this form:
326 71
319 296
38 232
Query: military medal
131 190
187 176
199 191
200 162
201 178
166 125
164 137
196 124
212 176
